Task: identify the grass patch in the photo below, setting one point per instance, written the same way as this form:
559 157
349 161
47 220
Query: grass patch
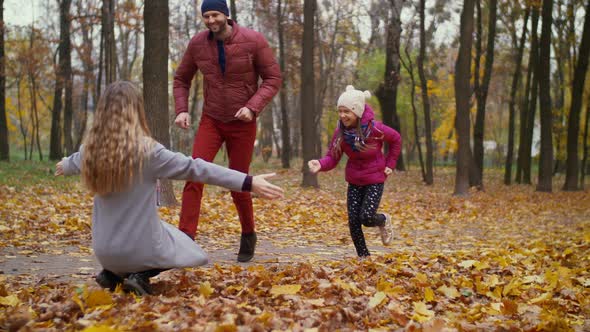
20 174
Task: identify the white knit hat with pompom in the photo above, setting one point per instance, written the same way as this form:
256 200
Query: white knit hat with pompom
354 100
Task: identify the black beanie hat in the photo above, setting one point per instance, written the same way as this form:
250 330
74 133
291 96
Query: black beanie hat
217 5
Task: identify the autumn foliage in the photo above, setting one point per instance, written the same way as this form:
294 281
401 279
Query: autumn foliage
499 260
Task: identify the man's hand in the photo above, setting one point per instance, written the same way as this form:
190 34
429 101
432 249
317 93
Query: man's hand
388 171
183 120
264 188
245 114
314 166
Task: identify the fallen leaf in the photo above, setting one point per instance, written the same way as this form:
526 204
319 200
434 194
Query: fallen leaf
277 290
377 299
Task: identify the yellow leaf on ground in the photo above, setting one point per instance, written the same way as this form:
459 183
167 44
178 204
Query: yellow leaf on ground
377 299
277 290
481 265
316 302
512 287
99 328
428 294
584 282
492 281
450 292
497 307
10 301
230 327
422 313
98 298
531 279
542 298
467 264
389 288
205 289
423 278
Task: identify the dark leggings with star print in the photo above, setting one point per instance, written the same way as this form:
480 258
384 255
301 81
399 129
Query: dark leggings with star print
362 202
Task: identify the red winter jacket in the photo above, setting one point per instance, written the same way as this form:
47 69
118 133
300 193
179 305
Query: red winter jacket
366 167
248 57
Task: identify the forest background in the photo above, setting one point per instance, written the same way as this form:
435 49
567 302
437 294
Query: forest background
492 101
405 52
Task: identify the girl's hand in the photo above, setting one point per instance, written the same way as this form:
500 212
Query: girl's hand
59 168
264 188
314 166
388 171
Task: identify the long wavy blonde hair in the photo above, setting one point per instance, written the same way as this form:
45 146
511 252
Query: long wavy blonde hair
116 145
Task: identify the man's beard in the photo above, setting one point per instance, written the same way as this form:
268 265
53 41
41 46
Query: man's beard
222 28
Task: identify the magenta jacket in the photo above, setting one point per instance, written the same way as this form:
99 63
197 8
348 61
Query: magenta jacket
366 167
248 57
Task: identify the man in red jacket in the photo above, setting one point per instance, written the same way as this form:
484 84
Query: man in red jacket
232 59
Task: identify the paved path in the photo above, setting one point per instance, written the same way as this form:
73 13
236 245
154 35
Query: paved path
72 264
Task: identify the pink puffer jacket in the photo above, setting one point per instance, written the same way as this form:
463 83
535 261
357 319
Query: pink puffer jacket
366 167
248 57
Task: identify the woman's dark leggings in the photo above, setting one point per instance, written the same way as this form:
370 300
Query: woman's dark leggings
362 202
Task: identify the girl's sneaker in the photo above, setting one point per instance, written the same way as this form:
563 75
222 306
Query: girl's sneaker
107 279
386 230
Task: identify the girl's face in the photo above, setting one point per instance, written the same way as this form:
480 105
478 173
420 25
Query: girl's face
348 118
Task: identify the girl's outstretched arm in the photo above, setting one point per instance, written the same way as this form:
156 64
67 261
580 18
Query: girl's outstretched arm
264 188
68 165
173 165
329 161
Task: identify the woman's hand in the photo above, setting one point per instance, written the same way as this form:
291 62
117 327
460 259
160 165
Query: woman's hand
388 171
264 188
314 166
59 168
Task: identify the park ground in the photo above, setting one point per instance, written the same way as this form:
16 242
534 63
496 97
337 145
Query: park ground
507 258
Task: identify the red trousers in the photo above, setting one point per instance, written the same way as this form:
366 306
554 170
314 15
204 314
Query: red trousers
239 139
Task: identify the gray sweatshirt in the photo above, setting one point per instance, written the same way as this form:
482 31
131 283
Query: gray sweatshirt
127 233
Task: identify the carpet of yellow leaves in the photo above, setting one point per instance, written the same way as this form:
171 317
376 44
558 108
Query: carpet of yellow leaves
508 259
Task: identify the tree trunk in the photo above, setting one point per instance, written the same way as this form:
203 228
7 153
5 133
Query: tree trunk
309 135
544 74
22 125
585 146
110 53
55 146
233 11
85 54
155 78
532 101
473 173
387 92
100 63
573 129
512 103
266 134
481 96
424 87
560 46
4 147
410 69
285 128
35 137
462 95
524 113
65 61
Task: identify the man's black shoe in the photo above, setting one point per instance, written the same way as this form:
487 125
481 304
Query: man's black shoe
247 247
